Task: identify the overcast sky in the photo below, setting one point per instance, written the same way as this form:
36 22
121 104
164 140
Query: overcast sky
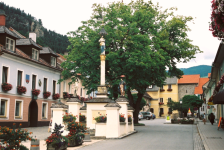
64 16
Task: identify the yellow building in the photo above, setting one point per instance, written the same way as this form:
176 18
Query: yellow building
160 96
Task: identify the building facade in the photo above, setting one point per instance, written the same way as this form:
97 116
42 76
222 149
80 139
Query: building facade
22 65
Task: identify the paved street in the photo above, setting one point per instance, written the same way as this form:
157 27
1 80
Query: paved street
155 135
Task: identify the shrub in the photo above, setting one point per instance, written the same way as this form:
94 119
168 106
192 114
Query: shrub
12 138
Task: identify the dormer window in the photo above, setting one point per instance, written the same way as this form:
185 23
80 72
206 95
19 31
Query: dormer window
10 44
53 61
35 54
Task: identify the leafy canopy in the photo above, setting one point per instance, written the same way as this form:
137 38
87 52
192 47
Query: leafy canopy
142 42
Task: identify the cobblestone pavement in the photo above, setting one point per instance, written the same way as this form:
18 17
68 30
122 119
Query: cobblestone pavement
212 138
198 144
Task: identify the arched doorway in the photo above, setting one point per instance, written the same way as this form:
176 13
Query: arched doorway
33 114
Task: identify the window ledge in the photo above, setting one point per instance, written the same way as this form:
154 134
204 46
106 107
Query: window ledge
3 117
44 118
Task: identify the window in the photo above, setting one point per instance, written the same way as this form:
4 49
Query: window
45 85
10 44
169 100
81 92
19 78
169 86
152 110
4 74
161 87
35 54
203 108
69 87
161 111
150 87
186 91
3 108
18 109
161 100
44 110
54 87
34 81
53 61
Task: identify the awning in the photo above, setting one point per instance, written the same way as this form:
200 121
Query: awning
219 97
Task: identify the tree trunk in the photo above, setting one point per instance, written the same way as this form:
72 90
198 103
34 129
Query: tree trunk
115 93
130 97
137 106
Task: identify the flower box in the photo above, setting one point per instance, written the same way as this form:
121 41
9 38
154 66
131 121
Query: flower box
56 96
122 118
161 103
35 92
46 94
21 89
162 90
66 95
129 118
169 112
169 89
6 87
101 119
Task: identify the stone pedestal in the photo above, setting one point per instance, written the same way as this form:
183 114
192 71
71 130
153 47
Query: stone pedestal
123 101
113 123
130 111
74 107
58 111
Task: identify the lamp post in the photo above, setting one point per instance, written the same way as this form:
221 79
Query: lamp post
181 108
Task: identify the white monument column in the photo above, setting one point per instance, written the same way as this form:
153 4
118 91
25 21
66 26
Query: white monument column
123 101
113 120
130 111
102 75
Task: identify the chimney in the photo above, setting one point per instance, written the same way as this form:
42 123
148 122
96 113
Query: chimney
32 35
2 17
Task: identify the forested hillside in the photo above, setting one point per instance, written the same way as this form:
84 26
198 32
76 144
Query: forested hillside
24 23
203 70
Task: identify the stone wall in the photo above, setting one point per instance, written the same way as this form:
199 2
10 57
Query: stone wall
185 89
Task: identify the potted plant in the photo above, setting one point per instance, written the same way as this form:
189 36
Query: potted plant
162 90
161 103
100 119
56 96
122 118
82 118
129 118
21 89
12 138
68 118
6 87
56 141
66 95
76 133
46 94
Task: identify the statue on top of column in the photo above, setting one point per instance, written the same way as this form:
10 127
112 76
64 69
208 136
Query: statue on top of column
102 45
122 87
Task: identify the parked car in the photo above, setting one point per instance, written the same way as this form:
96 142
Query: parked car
147 115
140 116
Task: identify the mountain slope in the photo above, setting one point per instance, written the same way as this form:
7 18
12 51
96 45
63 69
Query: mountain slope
203 70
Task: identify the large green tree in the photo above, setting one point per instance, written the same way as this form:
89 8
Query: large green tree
142 42
188 101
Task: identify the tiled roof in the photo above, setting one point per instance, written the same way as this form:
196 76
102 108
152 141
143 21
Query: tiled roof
146 95
3 29
21 54
209 75
189 79
48 50
17 33
60 59
198 89
172 80
27 41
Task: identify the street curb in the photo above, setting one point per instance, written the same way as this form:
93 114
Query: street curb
121 137
203 139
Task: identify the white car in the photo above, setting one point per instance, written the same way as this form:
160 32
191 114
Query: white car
140 116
